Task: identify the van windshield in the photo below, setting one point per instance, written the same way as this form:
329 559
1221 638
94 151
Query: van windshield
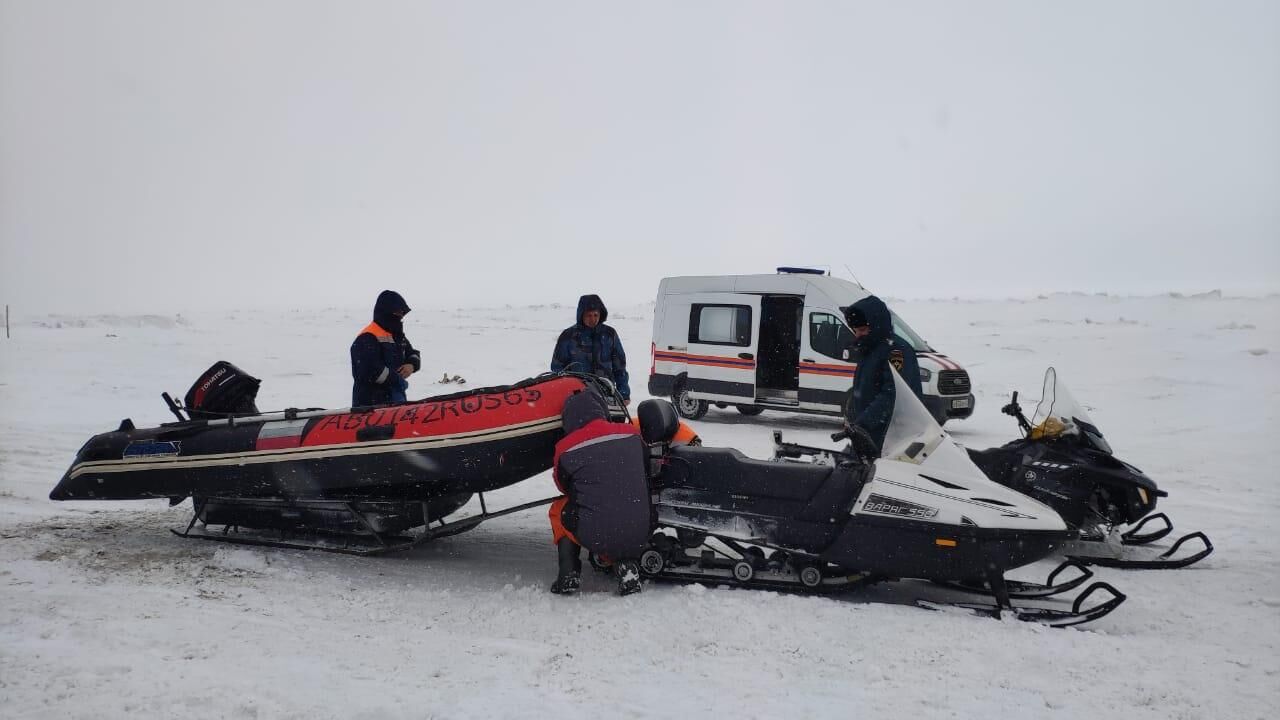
904 331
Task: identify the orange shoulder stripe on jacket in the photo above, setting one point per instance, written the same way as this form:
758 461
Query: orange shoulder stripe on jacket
375 330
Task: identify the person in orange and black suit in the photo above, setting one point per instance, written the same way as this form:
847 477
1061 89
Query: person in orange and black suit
382 358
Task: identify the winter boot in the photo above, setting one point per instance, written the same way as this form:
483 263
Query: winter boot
569 580
628 572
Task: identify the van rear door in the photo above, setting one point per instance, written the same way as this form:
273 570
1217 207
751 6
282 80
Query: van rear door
723 339
826 360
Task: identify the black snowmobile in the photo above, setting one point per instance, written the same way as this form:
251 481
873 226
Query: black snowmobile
1064 461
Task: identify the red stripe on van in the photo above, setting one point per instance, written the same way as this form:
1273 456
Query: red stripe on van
708 360
829 373
946 362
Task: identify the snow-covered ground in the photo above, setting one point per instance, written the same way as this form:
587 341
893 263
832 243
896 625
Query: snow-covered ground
104 613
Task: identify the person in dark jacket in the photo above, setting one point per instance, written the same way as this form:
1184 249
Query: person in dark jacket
382 358
600 467
589 346
871 406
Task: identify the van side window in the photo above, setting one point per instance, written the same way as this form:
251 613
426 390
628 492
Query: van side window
720 324
829 336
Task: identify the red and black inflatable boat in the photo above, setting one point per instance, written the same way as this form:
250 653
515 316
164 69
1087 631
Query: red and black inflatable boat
370 472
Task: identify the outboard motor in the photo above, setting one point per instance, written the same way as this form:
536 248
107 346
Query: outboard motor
222 390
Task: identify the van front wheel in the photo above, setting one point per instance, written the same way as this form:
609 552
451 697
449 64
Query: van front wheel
687 407
750 410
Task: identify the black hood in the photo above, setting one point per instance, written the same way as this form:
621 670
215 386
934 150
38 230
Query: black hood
389 302
876 314
591 302
581 408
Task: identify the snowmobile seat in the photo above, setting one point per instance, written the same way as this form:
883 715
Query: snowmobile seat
658 421
728 471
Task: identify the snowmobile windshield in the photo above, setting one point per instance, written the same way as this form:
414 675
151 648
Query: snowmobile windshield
915 437
1059 414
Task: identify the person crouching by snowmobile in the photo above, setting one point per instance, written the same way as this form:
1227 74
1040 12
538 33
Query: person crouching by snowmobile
382 358
600 467
589 346
871 405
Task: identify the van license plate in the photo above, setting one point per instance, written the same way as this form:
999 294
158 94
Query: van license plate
960 404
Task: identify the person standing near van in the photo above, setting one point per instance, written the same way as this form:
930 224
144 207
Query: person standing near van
590 346
382 358
874 394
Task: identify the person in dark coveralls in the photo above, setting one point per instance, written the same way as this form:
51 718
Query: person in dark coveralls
591 347
871 407
382 358
600 468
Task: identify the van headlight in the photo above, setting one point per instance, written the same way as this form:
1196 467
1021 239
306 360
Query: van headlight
925 375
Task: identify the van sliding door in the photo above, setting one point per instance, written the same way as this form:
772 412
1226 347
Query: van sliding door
723 340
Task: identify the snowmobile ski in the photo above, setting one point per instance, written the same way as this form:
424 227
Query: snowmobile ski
1135 536
1029 590
1163 561
1053 617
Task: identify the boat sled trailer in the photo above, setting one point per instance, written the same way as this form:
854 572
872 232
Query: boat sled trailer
371 472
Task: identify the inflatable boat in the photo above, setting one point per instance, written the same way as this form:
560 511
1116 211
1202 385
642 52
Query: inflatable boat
372 471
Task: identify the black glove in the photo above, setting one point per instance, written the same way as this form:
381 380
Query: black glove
860 442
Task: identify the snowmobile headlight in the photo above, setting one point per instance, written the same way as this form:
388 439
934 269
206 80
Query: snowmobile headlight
1142 494
925 375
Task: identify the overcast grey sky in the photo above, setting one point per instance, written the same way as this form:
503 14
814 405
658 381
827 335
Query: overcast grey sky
165 153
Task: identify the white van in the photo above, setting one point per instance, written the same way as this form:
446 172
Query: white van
776 342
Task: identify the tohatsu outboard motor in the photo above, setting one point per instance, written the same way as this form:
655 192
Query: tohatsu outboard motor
222 390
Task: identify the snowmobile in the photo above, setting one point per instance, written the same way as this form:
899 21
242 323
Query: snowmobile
814 519
352 480
1064 461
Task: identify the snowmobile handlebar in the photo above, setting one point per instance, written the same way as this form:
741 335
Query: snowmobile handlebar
1014 410
860 442
857 451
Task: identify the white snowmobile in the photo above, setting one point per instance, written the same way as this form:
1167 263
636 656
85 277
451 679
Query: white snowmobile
819 519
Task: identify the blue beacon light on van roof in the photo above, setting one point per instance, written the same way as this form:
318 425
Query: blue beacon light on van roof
801 271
